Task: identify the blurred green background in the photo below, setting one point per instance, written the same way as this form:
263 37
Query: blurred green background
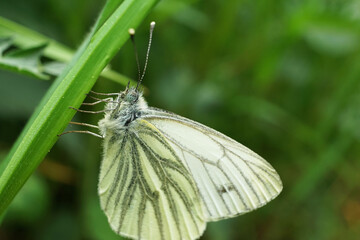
282 77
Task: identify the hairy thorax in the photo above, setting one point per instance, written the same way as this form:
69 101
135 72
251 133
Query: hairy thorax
121 112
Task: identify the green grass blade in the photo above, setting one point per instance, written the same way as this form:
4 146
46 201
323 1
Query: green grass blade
25 61
53 113
24 37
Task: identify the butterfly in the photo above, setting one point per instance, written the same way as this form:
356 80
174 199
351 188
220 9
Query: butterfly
164 176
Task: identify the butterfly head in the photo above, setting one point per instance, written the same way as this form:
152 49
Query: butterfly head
130 95
128 101
123 110
130 98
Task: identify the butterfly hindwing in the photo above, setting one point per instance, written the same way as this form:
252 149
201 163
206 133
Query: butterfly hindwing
145 190
231 179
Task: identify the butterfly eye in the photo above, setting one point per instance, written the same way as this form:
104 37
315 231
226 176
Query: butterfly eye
136 97
132 97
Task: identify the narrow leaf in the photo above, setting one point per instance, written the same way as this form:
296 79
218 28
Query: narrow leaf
69 89
26 61
24 37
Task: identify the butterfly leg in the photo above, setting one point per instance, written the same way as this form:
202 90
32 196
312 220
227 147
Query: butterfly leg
104 94
82 131
86 111
97 102
84 124
107 100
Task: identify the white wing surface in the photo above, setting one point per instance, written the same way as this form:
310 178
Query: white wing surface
145 190
231 179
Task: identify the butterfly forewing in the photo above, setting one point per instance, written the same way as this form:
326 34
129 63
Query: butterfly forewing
231 178
145 189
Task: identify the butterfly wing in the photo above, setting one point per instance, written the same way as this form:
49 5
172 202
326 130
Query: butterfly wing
145 190
231 179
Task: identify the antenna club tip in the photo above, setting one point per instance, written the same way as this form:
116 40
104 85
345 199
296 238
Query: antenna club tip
131 31
152 24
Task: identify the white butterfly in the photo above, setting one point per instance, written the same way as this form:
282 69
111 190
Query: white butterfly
164 176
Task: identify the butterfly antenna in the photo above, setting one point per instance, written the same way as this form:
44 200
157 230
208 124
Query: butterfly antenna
132 37
152 26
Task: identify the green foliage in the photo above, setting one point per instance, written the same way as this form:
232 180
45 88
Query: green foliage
25 61
69 89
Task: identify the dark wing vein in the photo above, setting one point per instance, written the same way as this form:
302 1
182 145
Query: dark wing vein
256 179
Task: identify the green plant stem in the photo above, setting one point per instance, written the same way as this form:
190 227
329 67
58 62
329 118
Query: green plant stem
53 113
